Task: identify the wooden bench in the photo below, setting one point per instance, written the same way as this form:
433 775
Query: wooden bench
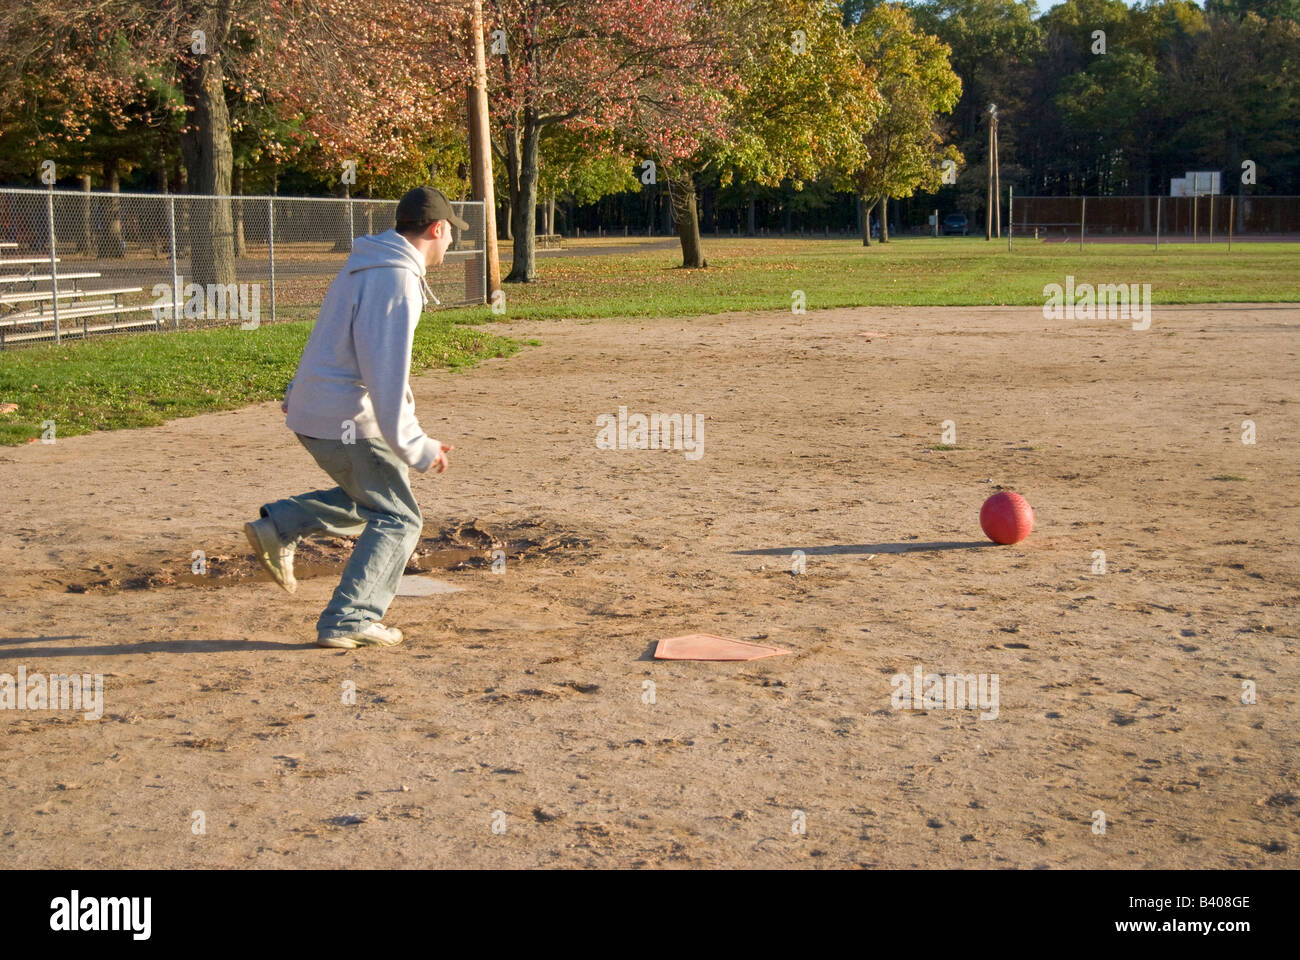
547 241
19 261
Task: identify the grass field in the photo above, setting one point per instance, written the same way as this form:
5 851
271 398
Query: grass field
762 274
147 379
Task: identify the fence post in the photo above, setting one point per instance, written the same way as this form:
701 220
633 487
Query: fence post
1158 224
1231 204
270 247
1011 217
1196 208
54 272
176 267
1083 218
1211 217
351 230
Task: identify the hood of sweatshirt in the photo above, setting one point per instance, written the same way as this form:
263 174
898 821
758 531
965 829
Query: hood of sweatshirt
388 249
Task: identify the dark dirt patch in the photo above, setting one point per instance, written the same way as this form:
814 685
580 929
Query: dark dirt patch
468 544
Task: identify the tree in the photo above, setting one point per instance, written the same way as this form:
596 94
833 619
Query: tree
581 166
377 84
1264 9
1107 108
904 152
1238 95
996 46
363 81
802 96
607 63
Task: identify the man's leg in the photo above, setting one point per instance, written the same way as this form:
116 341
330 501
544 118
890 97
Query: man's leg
378 485
330 511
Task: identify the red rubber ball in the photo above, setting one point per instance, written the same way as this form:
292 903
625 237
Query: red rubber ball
1006 517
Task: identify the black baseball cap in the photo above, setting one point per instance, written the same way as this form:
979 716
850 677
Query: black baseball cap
426 204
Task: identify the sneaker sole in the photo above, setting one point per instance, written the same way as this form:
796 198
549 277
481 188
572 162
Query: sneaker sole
337 643
264 558
352 643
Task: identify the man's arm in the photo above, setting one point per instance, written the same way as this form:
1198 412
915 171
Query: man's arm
382 334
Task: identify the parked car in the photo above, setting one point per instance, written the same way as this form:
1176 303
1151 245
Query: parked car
954 223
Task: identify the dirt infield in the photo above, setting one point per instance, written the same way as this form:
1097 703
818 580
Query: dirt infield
520 704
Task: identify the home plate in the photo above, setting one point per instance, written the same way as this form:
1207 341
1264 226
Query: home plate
706 646
424 587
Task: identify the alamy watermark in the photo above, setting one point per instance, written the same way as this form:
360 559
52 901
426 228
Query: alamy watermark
1112 301
77 913
213 301
58 691
658 431
953 691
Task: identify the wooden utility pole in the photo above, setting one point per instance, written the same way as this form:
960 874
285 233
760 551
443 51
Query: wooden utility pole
480 150
994 212
997 181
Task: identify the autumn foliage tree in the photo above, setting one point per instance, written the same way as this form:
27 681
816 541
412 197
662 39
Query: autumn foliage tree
612 64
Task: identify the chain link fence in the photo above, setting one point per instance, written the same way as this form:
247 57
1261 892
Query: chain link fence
75 264
1204 219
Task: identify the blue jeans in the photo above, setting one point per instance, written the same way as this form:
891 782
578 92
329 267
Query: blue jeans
373 499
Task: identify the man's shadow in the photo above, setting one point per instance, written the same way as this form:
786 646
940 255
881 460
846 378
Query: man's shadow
223 645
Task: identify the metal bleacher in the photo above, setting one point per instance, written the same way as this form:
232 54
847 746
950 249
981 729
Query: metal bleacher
24 305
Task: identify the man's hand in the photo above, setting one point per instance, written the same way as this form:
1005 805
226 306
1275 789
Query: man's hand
440 463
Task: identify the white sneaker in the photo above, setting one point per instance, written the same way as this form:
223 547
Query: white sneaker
375 634
275 555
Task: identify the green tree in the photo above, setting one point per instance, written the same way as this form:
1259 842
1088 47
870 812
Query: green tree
904 151
581 166
802 98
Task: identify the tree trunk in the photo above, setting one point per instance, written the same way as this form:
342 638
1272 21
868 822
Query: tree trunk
205 144
749 228
237 210
370 209
524 268
182 212
160 169
868 205
682 192
237 188
550 214
157 226
512 177
85 236
884 218
111 243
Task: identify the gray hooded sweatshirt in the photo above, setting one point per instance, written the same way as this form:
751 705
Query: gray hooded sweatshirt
357 361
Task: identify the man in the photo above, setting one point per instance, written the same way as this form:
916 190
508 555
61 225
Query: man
350 405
